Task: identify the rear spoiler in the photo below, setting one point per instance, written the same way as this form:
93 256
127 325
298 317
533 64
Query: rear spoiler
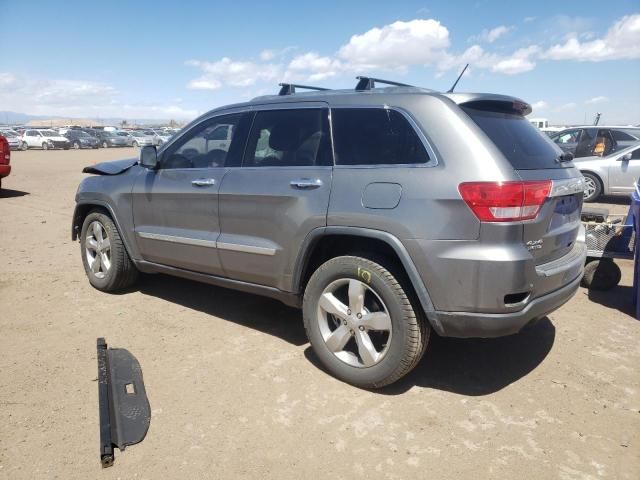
491 102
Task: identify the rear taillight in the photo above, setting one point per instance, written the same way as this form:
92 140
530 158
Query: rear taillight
5 152
505 201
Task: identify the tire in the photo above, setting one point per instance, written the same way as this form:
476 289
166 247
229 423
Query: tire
602 274
45 146
24 146
120 273
76 145
593 187
396 353
135 144
105 145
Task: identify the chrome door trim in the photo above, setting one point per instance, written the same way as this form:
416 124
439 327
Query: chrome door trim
181 240
236 247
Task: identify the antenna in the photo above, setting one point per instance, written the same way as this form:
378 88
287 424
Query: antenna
458 79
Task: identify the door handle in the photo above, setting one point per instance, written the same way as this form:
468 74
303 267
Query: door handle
306 183
203 182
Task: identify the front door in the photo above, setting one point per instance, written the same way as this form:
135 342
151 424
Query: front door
280 193
623 173
175 207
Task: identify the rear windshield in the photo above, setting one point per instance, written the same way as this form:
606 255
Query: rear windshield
521 143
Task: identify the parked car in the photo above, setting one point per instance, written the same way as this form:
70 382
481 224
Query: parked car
80 139
141 139
383 214
110 139
12 137
127 136
5 158
595 140
43 138
610 175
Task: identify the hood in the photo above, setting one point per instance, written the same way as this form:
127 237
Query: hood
111 168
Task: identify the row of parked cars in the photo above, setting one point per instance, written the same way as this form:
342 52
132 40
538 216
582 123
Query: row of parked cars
24 138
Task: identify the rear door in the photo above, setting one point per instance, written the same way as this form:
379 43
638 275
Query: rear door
623 173
280 193
553 233
176 206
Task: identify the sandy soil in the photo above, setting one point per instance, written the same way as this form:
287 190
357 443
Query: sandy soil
235 391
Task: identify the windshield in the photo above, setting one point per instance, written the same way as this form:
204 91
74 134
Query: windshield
137 134
522 144
49 133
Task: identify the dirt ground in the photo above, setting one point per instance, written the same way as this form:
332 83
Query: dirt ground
236 392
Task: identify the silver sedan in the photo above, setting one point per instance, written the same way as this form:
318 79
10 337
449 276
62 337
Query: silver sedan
614 174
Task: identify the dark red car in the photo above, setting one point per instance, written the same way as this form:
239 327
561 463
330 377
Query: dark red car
5 158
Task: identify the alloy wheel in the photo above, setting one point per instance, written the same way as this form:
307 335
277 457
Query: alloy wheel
98 249
354 322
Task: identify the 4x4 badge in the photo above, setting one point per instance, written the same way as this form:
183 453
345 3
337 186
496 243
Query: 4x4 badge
535 244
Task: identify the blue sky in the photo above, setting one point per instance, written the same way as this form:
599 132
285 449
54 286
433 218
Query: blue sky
171 59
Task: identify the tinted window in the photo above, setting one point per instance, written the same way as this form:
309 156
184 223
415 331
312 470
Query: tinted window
375 136
619 135
523 145
568 136
289 138
636 154
200 148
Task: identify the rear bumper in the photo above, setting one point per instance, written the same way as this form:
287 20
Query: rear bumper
486 325
5 170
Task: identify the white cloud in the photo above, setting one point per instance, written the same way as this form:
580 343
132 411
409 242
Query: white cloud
519 62
77 98
490 36
599 99
622 41
314 66
539 105
231 73
397 45
267 55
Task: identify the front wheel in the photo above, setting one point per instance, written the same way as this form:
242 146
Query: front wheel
45 146
105 260
24 146
134 144
76 145
361 323
105 144
592 187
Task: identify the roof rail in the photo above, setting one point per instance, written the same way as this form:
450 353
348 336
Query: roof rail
290 88
367 83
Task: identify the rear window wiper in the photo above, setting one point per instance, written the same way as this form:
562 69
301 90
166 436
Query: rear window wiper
564 157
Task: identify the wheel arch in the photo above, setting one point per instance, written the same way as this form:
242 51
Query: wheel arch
81 211
328 242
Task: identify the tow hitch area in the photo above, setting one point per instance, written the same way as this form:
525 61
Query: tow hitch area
124 408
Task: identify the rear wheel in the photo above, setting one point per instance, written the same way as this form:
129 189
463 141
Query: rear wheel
592 187
45 146
105 144
76 145
361 323
24 146
134 144
106 261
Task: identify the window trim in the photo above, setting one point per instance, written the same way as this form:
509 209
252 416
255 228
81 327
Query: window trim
431 152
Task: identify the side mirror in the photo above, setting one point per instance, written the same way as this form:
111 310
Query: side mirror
149 157
626 157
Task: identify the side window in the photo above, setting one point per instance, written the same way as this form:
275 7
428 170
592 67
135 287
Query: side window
619 135
570 136
206 145
636 154
31 133
289 138
375 136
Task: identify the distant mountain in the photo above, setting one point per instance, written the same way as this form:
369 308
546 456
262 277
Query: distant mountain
12 118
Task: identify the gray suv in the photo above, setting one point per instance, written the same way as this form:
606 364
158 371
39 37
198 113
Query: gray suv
384 213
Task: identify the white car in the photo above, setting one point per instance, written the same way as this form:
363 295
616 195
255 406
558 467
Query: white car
43 138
